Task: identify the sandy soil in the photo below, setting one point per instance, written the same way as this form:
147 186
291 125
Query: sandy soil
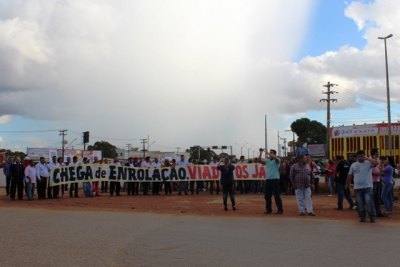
204 204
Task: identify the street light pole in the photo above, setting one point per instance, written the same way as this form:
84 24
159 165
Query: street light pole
388 95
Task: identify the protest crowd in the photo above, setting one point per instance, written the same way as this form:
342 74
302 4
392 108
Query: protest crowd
368 178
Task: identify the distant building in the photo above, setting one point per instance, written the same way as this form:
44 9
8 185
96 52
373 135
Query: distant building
125 154
346 140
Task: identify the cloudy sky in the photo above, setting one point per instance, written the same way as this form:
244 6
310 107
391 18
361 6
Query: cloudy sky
190 72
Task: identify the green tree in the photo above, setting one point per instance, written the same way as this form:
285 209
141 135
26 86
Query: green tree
108 150
197 152
14 154
312 132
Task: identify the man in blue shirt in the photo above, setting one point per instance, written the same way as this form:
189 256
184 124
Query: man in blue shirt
272 164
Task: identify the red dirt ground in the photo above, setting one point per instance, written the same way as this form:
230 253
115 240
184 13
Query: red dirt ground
204 204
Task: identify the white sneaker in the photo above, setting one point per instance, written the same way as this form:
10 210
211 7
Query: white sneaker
329 195
354 207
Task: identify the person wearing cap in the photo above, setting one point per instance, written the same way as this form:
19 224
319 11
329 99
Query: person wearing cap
301 176
272 181
361 172
30 179
227 182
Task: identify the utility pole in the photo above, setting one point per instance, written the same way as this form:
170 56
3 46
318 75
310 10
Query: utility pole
279 146
63 133
328 101
128 148
266 134
178 147
284 145
144 142
390 142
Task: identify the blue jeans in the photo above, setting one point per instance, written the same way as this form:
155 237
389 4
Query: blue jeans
304 200
29 187
342 192
364 198
87 188
387 197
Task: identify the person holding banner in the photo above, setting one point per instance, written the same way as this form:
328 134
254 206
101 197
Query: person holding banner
115 186
167 184
73 189
182 186
272 181
130 186
156 185
227 182
145 185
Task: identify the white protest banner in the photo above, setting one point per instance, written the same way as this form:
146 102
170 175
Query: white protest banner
113 173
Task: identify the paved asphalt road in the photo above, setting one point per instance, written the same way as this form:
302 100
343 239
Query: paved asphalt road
36 237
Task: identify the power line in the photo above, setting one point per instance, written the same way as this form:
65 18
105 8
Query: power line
29 131
328 101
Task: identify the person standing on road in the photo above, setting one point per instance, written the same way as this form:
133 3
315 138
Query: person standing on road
73 188
361 172
342 169
6 171
227 182
42 175
182 186
155 190
30 176
271 184
387 179
17 179
301 176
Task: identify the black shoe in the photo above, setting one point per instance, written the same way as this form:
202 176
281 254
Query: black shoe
338 208
268 212
372 220
362 219
381 215
233 207
279 212
311 214
225 209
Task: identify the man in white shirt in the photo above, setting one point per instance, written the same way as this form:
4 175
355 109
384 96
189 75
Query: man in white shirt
42 175
30 176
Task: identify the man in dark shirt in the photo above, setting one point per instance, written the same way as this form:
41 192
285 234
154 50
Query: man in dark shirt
17 179
342 170
227 182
